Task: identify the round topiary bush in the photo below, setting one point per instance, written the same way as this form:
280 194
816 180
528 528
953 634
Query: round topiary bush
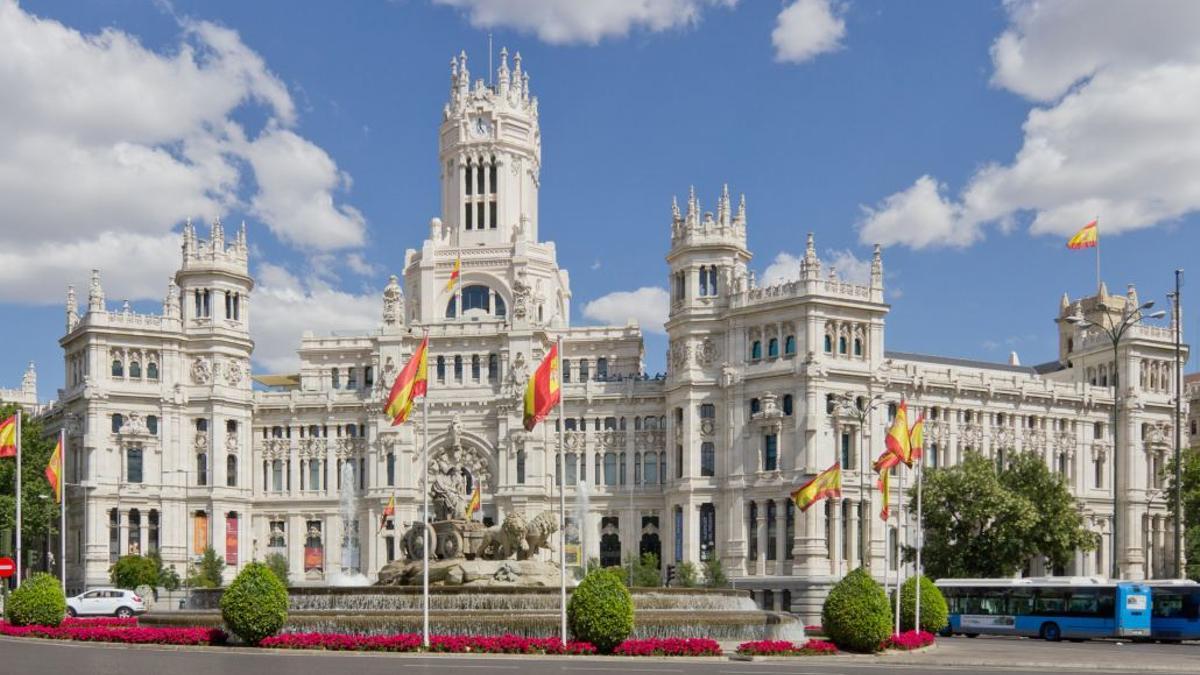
255 605
856 614
934 612
38 602
601 610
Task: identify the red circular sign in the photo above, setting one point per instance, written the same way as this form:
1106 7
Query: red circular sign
7 567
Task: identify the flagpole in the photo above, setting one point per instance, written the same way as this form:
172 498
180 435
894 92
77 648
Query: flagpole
562 495
62 507
1097 253
19 453
425 525
920 540
901 530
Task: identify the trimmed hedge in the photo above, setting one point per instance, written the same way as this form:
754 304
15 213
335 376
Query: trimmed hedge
601 610
856 616
935 614
255 605
38 602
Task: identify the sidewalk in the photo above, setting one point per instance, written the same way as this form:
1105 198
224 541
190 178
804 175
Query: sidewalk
1107 655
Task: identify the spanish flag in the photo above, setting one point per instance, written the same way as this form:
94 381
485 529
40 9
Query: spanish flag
543 391
886 461
8 437
388 512
1088 237
826 484
473 505
897 440
454 273
885 488
916 440
412 382
54 471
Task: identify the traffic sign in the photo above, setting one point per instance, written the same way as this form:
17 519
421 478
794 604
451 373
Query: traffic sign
7 567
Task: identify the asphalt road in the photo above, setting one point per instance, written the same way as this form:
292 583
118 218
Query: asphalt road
23 656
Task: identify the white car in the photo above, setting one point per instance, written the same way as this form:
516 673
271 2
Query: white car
106 602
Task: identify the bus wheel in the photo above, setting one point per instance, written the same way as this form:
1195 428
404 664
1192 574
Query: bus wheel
1051 632
971 635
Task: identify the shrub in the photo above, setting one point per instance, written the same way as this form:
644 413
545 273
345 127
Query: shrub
39 601
168 578
645 570
255 605
208 572
935 615
278 563
856 615
714 573
669 647
785 648
685 574
131 571
601 610
910 640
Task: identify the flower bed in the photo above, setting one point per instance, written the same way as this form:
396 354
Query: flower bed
411 642
669 647
909 640
815 628
125 635
785 648
99 622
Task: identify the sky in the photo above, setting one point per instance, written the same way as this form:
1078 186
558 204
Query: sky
970 139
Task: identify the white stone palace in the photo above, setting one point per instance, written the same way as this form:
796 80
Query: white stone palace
174 449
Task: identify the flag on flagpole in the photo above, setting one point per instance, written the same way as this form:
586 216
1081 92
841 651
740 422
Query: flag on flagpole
1087 237
454 273
916 440
54 471
886 461
388 512
8 437
885 489
473 505
824 485
413 381
543 391
897 440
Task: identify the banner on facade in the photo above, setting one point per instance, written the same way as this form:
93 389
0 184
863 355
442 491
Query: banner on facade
314 558
199 533
231 540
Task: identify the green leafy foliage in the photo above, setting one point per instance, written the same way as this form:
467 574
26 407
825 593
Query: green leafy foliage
132 571
935 614
39 512
1190 498
856 615
686 575
278 563
714 573
982 523
601 610
38 602
645 571
255 605
206 573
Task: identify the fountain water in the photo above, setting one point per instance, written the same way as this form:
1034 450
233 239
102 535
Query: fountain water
350 573
582 499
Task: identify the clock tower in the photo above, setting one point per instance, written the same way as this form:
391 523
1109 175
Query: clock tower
490 150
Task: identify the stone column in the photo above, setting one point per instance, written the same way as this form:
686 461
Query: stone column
855 537
760 535
835 539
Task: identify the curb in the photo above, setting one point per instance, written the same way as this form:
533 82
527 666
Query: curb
887 653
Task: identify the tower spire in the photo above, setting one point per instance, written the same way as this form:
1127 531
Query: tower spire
72 309
723 206
95 293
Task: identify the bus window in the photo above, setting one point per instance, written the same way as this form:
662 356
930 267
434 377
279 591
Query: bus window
1084 603
1167 605
1050 601
1020 602
1107 603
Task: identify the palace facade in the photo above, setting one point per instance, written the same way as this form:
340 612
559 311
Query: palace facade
173 447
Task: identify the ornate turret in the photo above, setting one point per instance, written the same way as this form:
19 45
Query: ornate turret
72 309
95 293
877 269
708 252
723 228
810 265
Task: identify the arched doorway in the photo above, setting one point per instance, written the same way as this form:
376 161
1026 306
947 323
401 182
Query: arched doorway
610 541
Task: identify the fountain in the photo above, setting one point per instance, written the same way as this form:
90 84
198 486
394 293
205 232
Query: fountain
582 502
350 572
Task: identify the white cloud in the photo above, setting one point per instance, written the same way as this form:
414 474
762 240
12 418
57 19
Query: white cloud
583 22
806 29
648 305
103 141
786 267
1117 136
285 307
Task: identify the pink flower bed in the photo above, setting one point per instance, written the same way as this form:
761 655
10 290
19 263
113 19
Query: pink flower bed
909 640
98 622
133 635
814 629
411 642
785 648
669 647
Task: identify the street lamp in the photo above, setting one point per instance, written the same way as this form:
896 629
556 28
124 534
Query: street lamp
860 410
1115 330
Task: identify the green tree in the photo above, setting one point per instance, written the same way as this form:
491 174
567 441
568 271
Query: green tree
278 563
601 609
255 605
686 575
131 571
168 578
207 572
1191 507
39 512
1060 530
974 526
646 572
714 573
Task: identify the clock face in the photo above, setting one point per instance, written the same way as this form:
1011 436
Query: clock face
480 127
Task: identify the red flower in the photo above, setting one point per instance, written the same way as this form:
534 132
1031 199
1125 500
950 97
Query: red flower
909 640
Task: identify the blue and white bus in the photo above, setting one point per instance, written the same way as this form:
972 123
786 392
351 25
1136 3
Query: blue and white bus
1175 611
1051 608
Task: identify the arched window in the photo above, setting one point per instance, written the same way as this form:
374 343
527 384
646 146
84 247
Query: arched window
117 422
755 350
566 370
712 280
231 471
787 404
152 424
133 465
152 371
501 310
789 345
135 369
475 367
755 406
118 368
441 369
842 345
152 540
493 367
773 348
134 547
858 346
828 344
703 280
458 368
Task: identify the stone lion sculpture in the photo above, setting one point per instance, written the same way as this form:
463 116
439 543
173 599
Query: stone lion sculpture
518 536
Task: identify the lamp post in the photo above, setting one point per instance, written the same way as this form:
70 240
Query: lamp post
850 406
1176 324
1115 330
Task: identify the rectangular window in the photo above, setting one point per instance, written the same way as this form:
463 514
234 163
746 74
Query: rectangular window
521 468
479 215
133 465
470 214
708 459
492 214
314 474
566 370
391 469
351 378
845 455
770 452
368 377
278 534
277 475
390 543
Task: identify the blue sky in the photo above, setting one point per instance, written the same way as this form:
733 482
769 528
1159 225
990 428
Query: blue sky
969 138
